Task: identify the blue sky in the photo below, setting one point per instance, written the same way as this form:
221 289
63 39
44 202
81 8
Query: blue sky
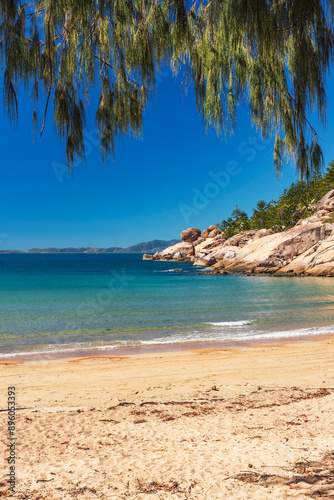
155 187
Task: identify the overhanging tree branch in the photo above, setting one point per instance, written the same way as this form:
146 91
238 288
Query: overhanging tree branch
231 52
50 67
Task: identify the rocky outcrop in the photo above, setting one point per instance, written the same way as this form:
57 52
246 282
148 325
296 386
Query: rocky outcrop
273 252
316 261
180 251
210 232
306 249
327 202
191 234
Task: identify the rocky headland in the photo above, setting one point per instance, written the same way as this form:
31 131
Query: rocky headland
307 249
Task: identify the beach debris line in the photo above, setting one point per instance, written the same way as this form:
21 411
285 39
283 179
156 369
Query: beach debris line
319 473
131 442
171 487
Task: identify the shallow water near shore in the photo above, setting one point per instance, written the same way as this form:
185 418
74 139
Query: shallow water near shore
66 303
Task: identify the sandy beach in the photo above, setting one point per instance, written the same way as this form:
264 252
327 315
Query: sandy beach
242 423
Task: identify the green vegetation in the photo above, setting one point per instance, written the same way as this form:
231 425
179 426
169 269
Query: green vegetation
273 55
237 222
295 203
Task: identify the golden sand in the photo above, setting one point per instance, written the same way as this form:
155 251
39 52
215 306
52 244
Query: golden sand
250 423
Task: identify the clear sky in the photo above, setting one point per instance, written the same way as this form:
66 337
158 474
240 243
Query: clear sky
175 177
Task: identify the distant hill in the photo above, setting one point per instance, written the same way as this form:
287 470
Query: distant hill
145 247
150 246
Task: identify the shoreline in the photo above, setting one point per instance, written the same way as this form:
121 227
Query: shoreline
210 271
271 364
159 348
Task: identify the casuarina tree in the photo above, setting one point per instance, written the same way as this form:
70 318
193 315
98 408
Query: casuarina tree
272 56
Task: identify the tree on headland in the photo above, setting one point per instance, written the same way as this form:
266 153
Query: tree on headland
273 55
237 222
259 218
295 203
327 181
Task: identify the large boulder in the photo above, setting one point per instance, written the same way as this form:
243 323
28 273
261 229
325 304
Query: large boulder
210 232
215 232
205 233
241 239
191 234
228 254
263 232
205 260
207 246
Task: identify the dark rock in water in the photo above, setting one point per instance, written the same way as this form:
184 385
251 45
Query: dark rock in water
147 256
177 269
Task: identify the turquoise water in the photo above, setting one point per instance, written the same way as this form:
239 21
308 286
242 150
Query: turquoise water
55 302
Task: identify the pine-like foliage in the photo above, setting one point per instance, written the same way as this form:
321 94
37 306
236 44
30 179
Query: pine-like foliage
272 55
295 203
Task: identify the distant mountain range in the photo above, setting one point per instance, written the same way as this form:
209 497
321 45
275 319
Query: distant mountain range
146 247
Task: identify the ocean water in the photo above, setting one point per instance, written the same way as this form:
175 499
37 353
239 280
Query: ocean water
55 303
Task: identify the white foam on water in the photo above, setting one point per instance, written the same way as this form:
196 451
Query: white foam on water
223 336
231 323
192 337
52 349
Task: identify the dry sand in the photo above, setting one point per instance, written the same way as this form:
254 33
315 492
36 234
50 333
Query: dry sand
250 423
